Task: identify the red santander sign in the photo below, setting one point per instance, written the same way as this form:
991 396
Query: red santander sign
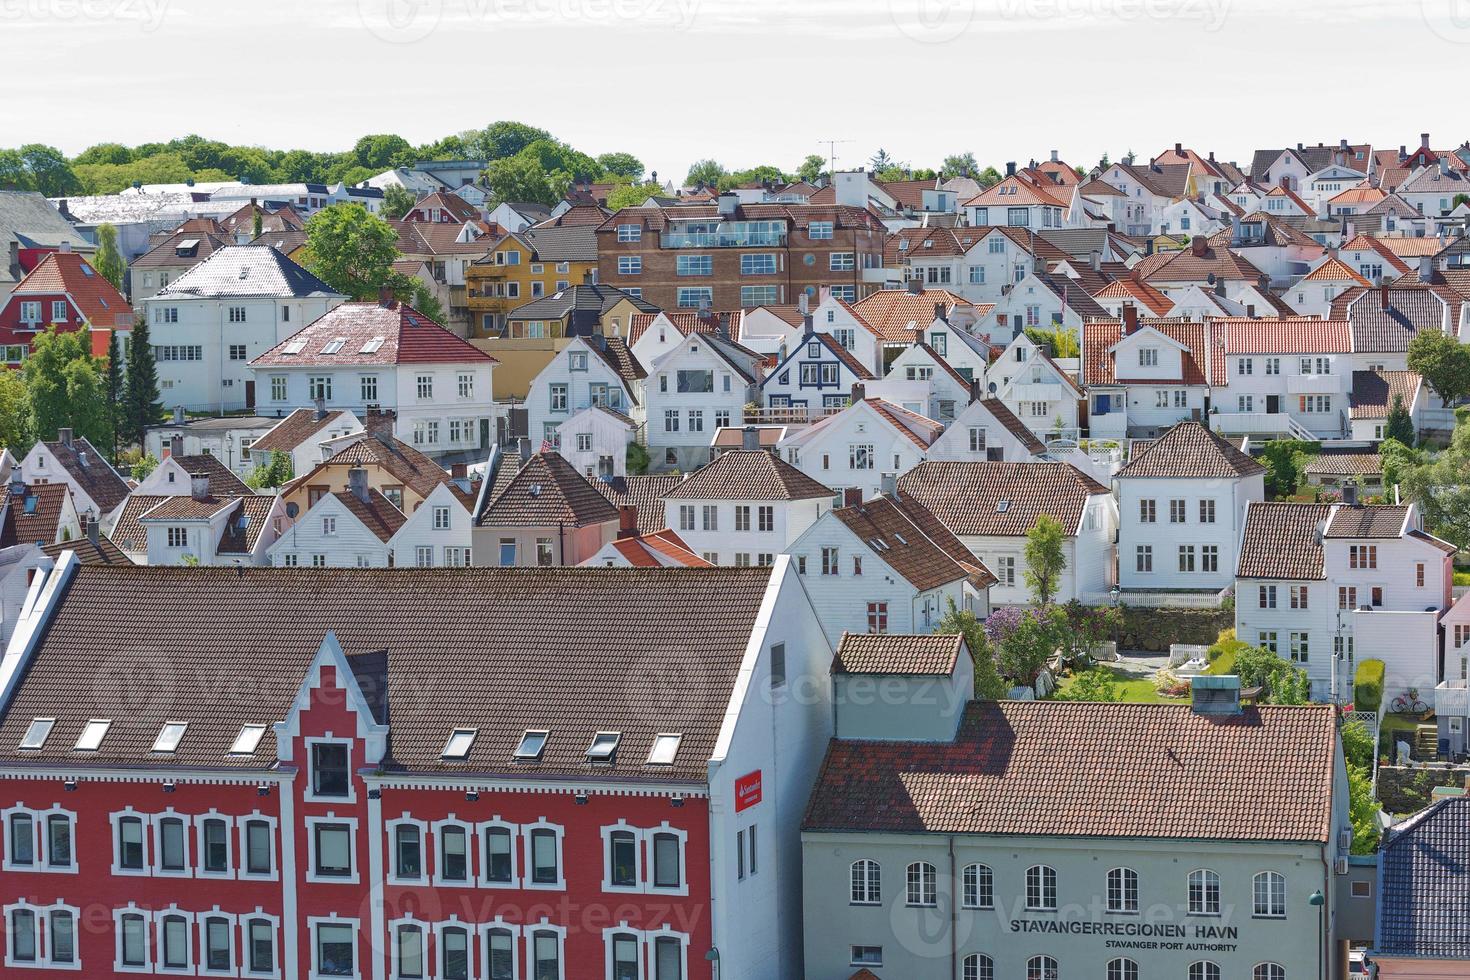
747 791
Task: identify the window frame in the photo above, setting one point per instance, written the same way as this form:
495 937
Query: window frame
313 925
312 874
528 838
309 791
201 845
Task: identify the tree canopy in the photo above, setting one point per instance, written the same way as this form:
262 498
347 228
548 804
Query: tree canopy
1443 362
351 250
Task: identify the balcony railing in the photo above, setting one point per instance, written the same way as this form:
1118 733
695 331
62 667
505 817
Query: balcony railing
787 415
722 239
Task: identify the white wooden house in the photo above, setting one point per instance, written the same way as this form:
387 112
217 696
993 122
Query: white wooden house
345 529
595 441
589 371
1035 389
699 386
438 532
813 380
863 447
986 430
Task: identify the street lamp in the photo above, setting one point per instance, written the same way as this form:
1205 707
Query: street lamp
1319 901
1115 593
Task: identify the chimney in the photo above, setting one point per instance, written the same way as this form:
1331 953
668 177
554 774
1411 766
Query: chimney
64 248
1010 168
1444 166
199 486
90 527
975 392
807 328
888 484
1426 268
1383 296
852 497
1250 310
802 303
523 447
1179 149
1342 144
385 297
14 253
17 483
859 393
1055 158
179 415
750 438
1198 245
627 521
1403 153
379 423
918 335
1220 287
915 287
1215 694
357 483
64 436
1096 260
1350 494
728 203
723 328
459 471
588 278
1130 319
176 446
1424 141
321 408
939 313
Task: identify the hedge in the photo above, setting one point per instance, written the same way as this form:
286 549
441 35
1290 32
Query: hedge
1368 685
1153 629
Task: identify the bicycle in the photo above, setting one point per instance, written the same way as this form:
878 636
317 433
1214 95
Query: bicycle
1408 704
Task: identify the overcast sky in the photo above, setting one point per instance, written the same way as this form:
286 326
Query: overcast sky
744 81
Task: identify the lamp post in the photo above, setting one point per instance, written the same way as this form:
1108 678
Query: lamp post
1114 594
1319 901
713 958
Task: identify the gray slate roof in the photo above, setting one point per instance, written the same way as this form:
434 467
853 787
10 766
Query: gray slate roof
246 270
596 298
31 221
568 243
1426 885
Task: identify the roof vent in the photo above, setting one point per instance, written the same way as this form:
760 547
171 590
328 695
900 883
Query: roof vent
1216 695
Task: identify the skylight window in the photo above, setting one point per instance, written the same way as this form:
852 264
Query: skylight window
169 737
1002 506
334 345
899 538
372 346
665 747
294 347
532 744
92 735
248 740
459 743
604 747
35 736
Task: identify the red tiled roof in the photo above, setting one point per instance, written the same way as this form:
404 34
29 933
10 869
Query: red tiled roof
1370 521
920 430
1284 335
377 513
748 474
646 492
890 311
39 522
897 653
1191 451
1203 356
547 491
1374 392
1280 540
665 542
1002 499
900 535
70 274
372 334
1334 270
293 430
1140 292
1058 769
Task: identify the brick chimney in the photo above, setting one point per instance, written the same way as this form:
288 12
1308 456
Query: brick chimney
1383 296
1198 245
378 422
64 437
976 392
357 483
176 446
914 286
1130 319
199 486
859 393
627 521
852 497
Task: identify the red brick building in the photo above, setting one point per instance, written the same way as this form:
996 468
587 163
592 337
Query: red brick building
62 289
517 774
730 255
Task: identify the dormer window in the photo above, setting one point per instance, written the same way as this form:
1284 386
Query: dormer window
169 736
92 735
329 770
1148 357
533 742
604 747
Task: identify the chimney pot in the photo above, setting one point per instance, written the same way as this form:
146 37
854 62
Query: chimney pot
357 483
385 297
750 438
1130 319
321 408
179 415
458 471
1426 268
199 486
1179 149
859 393
1055 157
1424 141
888 484
1198 245
627 521
90 526
1383 296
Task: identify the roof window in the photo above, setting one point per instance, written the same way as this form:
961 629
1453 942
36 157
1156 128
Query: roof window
169 736
372 346
1002 506
604 747
36 735
92 735
533 742
459 743
665 748
334 345
294 347
248 740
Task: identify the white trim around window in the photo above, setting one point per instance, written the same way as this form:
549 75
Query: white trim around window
308 792
232 926
41 840
201 849
315 922
652 937
392 828
247 919
438 830
243 824
530 932
610 935
156 822
43 952
528 838
131 911
441 950
482 940
397 929
331 818
115 819
161 920
645 842
483 829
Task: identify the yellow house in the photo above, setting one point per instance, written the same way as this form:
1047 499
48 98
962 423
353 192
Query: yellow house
527 266
395 469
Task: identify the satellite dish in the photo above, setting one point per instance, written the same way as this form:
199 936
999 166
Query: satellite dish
292 509
992 387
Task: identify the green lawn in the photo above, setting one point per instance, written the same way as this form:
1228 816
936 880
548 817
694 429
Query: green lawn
1135 690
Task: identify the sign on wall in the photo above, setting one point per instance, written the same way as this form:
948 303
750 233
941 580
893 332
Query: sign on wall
747 791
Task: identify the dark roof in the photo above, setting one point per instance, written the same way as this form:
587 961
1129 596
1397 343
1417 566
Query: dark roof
242 532
221 478
1364 462
91 472
1281 540
564 243
1093 770
377 513
618 356
293 430
127 532
38 512
547 491
1191 451
911 541
595 298
371 333
182 249
246 270
400 460
897 653
987 498
748 474
1425 869
571 650
1380 329
1380 521
1002 414
31 221
1374 392
104 552
645 491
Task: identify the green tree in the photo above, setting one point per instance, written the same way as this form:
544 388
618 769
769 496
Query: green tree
959 165
66 387
1059 341
114 153
989 177
108 261
398 201
881 161
1439 484
1400 424
1024 640
143 465
382 151
637 459
502 139
988 683
13 176
1362 810
1284 460
1045 558
423 299
48 170
142 406
1097 684
1284 683
274 471
113 386
352 250
631 195
706 172
812 168
15 413
1443 362
764 174
523 178
622 165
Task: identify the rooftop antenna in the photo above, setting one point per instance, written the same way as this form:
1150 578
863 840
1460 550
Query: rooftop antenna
832 153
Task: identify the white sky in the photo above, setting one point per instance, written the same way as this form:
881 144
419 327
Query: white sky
744 81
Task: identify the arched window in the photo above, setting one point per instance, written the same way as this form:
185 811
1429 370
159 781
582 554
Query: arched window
500 954
923 885
1122 968
625 959
978 887
1204 970
1204 893
1269 971
867 883
408 952
1122 890
978 966
1041 968
1041 888
454 953
1269 895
